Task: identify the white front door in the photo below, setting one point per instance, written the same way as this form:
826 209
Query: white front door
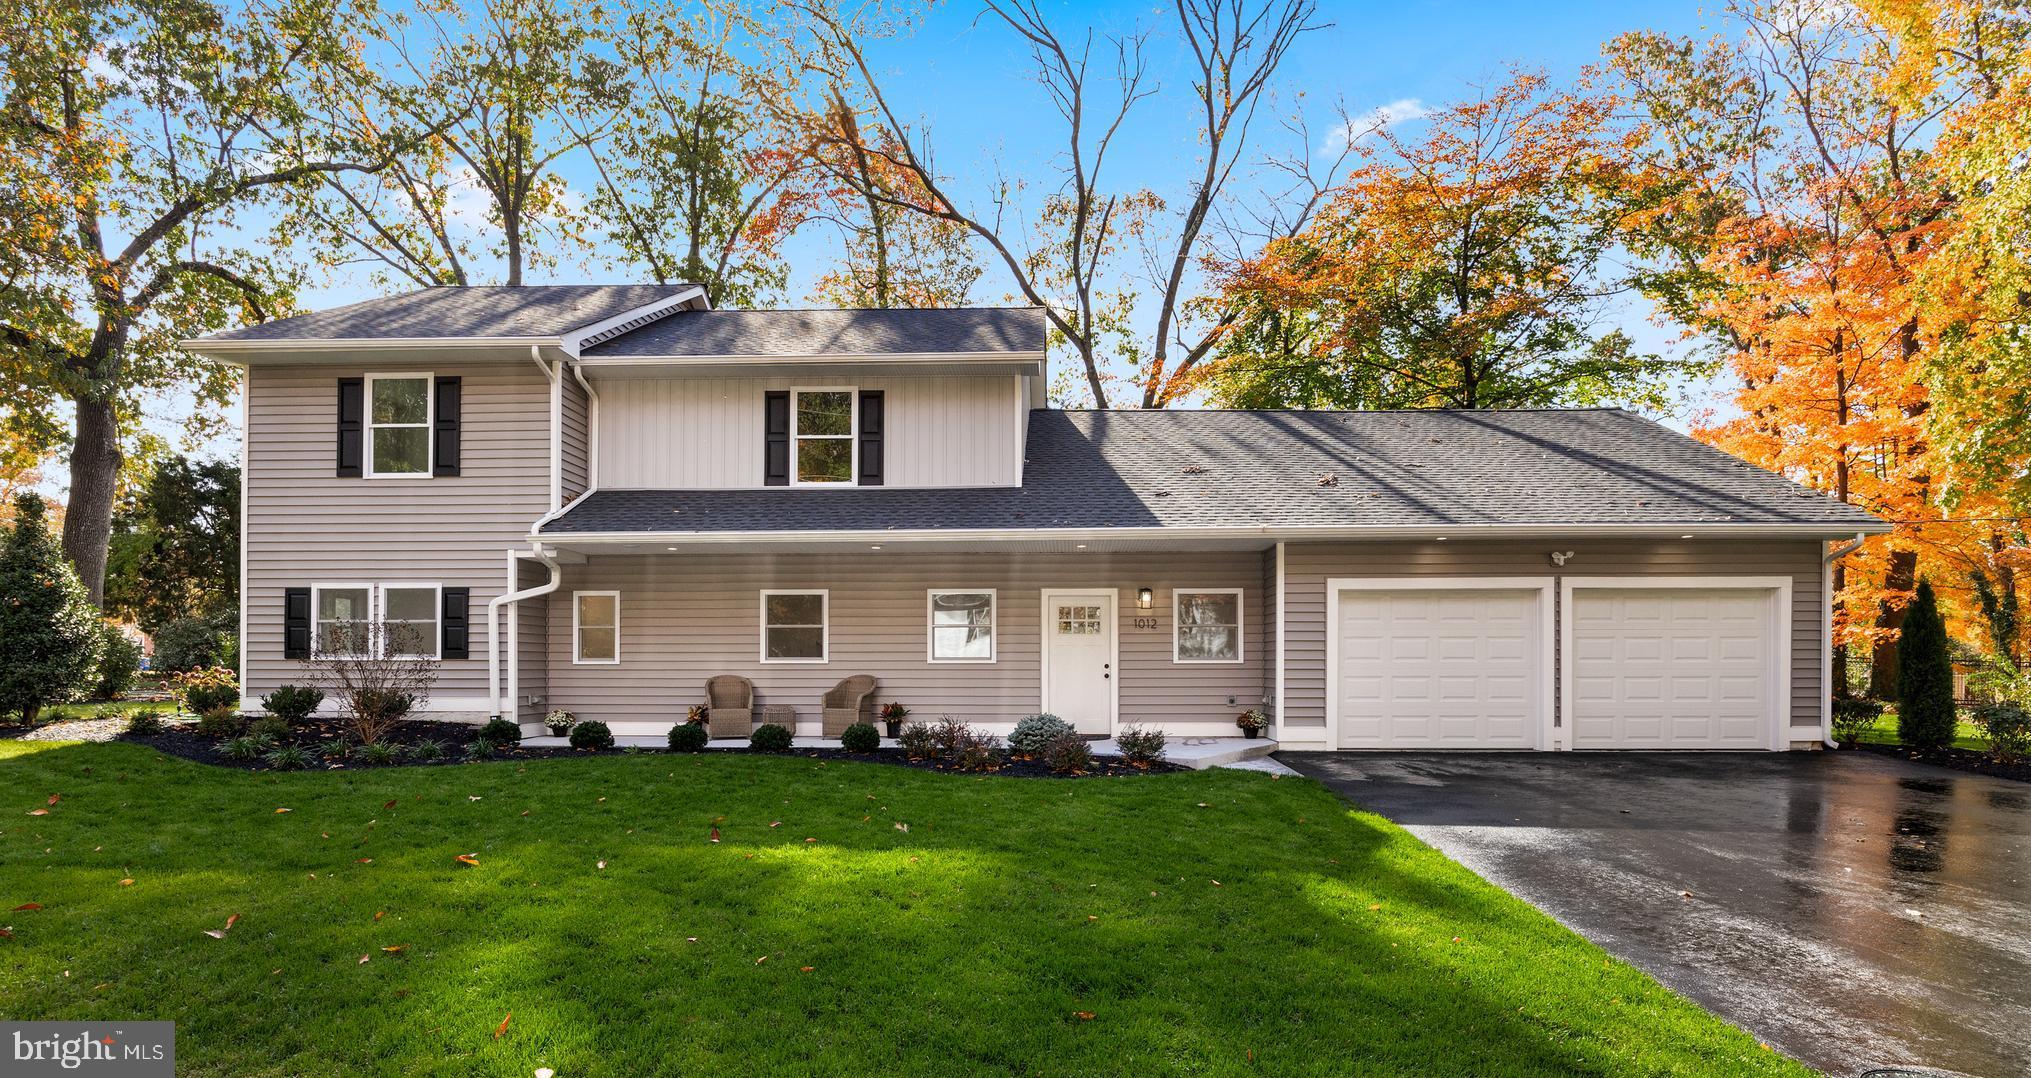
1079 659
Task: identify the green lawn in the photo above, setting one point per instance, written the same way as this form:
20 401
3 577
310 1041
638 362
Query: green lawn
1966 735
1208 923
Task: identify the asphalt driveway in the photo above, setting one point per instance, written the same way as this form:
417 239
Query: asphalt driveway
1852 910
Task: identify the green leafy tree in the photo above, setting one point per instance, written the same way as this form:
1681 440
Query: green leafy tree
1925 708
198 643
49 632
176 545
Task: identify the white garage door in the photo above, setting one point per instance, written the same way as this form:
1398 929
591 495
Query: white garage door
1671 668
1439 669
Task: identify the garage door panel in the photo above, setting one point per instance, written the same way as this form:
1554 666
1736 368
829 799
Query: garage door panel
1672 668
1439 668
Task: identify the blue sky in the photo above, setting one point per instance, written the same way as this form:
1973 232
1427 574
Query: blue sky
969 80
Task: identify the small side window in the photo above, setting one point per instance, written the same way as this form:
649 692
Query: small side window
596 626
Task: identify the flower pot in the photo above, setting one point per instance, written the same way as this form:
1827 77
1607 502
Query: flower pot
895 727
1251 732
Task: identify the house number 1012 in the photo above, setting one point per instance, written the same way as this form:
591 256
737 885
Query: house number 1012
1145 623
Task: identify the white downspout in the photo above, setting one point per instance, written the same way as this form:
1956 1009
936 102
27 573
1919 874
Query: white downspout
555 373
1826 638
494 618
591 429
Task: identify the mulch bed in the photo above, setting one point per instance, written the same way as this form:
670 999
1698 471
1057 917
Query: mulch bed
454 736
1958 759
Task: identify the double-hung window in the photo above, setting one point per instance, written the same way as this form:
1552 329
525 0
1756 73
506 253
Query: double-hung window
794 626
596 627
1206 625
395 621
399 417
962 625
822 426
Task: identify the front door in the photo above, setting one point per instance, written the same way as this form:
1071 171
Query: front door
1079 659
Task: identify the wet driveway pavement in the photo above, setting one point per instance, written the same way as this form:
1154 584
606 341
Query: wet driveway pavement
1849 909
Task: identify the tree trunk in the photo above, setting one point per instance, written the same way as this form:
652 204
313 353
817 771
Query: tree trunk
95 472
1901 576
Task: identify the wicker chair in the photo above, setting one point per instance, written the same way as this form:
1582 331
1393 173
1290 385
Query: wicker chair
731 699
849 702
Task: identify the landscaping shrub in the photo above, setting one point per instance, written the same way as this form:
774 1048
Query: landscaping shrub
917 741
293 703
1925 708
1140 746
119 659
500 731
480 748
769 737
49 631
144 723
247 747
220 724
270 727
289 758
949 736
1853 717
209 690
1033 733
427 749
2008 727
187 644
977 752
1068 754
592 734
377 753
688 737
860 737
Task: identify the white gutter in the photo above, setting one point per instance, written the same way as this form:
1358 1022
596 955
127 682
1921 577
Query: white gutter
1266 532
1826 638
494 618
591 434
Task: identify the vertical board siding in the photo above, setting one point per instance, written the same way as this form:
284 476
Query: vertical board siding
305 527
576 475
1308 565
684 433
687 617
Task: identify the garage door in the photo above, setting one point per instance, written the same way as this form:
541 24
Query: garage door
1671 668
1439 668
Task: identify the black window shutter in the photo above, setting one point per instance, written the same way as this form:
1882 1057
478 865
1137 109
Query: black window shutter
352 413
776 438
296 623
457 628
870 437
445 448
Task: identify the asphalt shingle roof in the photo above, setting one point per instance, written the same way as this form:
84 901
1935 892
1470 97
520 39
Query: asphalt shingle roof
463 311
814 333
1191 469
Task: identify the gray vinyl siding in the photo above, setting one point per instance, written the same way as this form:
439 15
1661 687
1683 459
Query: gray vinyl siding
1308 566
686 617
304 526
1271 602
532 645
576 476
687 433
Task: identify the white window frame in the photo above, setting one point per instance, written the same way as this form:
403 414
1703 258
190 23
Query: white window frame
367 425
1240 624
852 435
377 615
578 641
824 624
931 624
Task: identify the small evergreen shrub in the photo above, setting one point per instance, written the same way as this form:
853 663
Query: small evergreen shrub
1033 733
292 703
289 758
245 747
860 737
377 753
501 731
688 737
270 727
1853 717
119 660
427 749
770 737
2008 727
1925 708
592 734
144 723
1140 746
50 633
220 724
917 741
337 748
1068 754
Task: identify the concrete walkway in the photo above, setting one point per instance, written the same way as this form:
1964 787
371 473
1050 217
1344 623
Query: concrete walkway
1850 909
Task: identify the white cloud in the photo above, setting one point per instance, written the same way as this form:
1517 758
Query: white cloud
1357 127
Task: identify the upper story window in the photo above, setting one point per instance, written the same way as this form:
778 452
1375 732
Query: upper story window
398 425
823 421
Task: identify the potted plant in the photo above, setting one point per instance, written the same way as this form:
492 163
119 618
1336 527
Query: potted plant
1252 722
559 722
698 715
893 714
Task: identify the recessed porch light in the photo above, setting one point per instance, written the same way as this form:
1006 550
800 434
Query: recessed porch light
1081 546
875 546
1687 535
669 548
1438 538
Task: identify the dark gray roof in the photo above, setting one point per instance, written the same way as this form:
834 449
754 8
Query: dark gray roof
1210 469
817 333
468 311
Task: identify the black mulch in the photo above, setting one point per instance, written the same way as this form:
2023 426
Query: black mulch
1958 759
454 737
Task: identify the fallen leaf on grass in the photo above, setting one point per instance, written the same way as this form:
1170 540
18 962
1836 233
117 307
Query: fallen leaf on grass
220 933
128 882
806 969
1083 1016
7 933
396 949
503 1027
761 960
28 906
38 812
599 864
775 823
389 805
378 914
1216 883
363 959
810 840
54 798
901 826
280 811
467 859
364 861
472 797
715 835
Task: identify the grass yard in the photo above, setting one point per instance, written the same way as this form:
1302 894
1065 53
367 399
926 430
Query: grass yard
1966 735
1205 923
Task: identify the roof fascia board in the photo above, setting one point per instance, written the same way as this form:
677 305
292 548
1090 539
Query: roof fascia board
1466 532
574 342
